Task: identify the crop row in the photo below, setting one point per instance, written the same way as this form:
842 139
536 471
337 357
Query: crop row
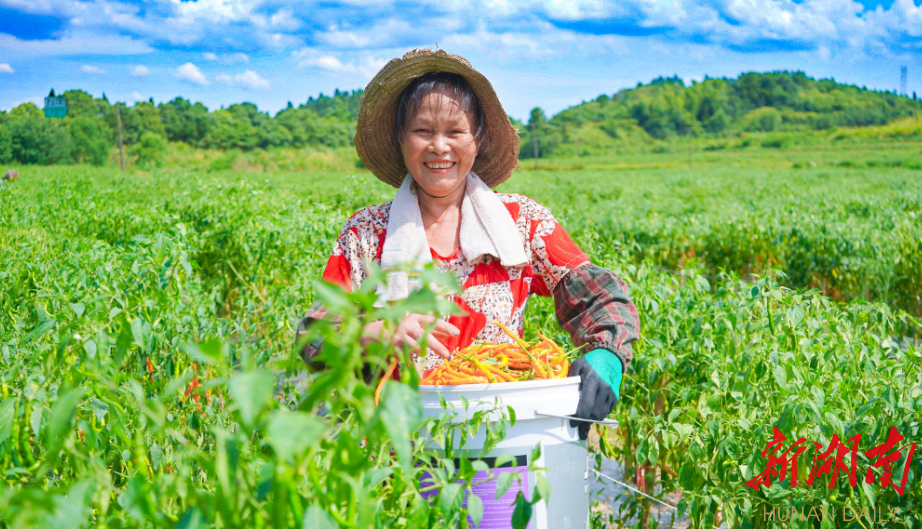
145 322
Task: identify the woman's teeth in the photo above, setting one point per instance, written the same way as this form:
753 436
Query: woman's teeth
443 165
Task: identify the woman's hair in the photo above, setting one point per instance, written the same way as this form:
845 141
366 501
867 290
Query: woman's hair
445 83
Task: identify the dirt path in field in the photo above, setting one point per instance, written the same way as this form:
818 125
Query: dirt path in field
612 495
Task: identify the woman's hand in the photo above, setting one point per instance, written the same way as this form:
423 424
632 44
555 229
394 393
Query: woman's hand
410 332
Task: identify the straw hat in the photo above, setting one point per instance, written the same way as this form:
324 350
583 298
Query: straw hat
377 115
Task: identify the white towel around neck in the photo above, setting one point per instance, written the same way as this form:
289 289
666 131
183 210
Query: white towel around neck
486 228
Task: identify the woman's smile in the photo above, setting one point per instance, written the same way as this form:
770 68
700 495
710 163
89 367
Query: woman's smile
439 167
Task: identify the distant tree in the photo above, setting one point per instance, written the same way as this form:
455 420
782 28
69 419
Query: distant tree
39 141
763 119
150 149
26 111
81 104
343 105
89 140
185 122
142 117
6 144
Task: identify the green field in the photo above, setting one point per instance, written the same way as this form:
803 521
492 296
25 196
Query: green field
143 316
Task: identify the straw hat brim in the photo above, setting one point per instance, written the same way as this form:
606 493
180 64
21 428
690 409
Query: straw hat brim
374 136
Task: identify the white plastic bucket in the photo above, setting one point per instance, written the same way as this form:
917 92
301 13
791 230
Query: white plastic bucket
563 455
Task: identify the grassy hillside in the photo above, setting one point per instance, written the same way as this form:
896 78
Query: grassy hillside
665 109
779 108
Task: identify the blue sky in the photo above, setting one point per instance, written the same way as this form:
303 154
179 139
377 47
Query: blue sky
547 53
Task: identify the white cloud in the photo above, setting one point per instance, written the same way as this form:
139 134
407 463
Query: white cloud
380 34
136 96
542 43
6 68
120 27
190 73
281 20
366 66
139 71
248 79
73 45
227 58
88 68
215 11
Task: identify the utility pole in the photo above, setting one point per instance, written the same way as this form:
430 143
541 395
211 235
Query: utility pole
121 147
534 142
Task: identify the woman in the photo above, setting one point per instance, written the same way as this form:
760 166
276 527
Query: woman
432 126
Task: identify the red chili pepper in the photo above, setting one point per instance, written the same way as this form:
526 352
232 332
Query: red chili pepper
192 386
150 367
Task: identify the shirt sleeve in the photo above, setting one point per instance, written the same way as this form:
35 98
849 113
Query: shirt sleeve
554 254
594 306
345 268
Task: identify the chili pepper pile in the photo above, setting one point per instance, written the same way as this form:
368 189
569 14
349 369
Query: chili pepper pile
509 362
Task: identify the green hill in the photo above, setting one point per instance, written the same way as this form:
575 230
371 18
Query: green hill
753 102
644 117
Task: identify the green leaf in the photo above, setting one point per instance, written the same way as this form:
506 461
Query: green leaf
836 423
376 476
177 384
78 308
227 456
133 500
265 481
503 483
781 376
535 453
333 297
62 413
190 519
419 512
90 347
684 430
140 331
479 466
400 412
543 489
6 419
317 518
291 433
72 506
522 513
475 509
40 330
450 500
653 454
251 391
156 455
870 492
204 352
100 409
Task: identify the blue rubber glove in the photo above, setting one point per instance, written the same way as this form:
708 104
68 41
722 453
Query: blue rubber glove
600 375
608 366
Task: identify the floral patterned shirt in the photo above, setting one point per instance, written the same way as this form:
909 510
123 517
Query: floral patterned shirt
490 291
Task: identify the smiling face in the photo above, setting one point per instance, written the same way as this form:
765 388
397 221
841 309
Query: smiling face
438 145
